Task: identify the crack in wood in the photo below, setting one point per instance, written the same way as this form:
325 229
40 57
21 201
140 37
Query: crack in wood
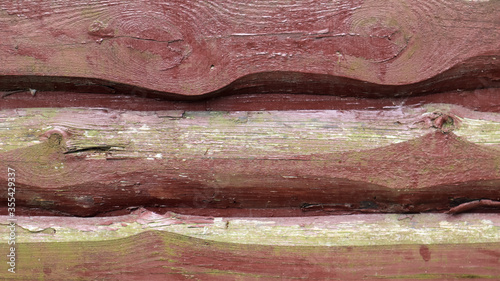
97 148
8 93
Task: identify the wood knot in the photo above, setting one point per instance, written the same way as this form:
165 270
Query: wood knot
54 137
100 29
441 121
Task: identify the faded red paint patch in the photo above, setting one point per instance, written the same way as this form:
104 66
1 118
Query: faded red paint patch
33 53
425 253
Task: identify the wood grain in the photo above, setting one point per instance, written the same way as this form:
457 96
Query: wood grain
122 107
409 159
180 49
179 258
485 100
151 246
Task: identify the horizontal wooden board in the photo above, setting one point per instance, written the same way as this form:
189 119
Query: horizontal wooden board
407 159
192 48
175 247
341 230
485 100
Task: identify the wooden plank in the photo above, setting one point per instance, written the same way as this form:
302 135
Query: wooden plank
192 48
155 247
342 230
409 159
479 100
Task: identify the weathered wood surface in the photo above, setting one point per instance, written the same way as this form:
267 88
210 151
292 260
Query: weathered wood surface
191 48
151 246
401 152
408 159
479 100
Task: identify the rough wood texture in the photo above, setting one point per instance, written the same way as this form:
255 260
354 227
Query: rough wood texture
160 256
479 100
150 246
396 86
191 48
89 161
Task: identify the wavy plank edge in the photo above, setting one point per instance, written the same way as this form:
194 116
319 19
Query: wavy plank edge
194 48
252 160
179 247
476 73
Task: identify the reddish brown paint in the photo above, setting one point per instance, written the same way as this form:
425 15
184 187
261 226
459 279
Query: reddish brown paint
330 55
333 183
175 257
480 100
464 207
194 48
425 253
474 73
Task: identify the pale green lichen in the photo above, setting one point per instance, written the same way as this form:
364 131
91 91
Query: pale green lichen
480 131
220 134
